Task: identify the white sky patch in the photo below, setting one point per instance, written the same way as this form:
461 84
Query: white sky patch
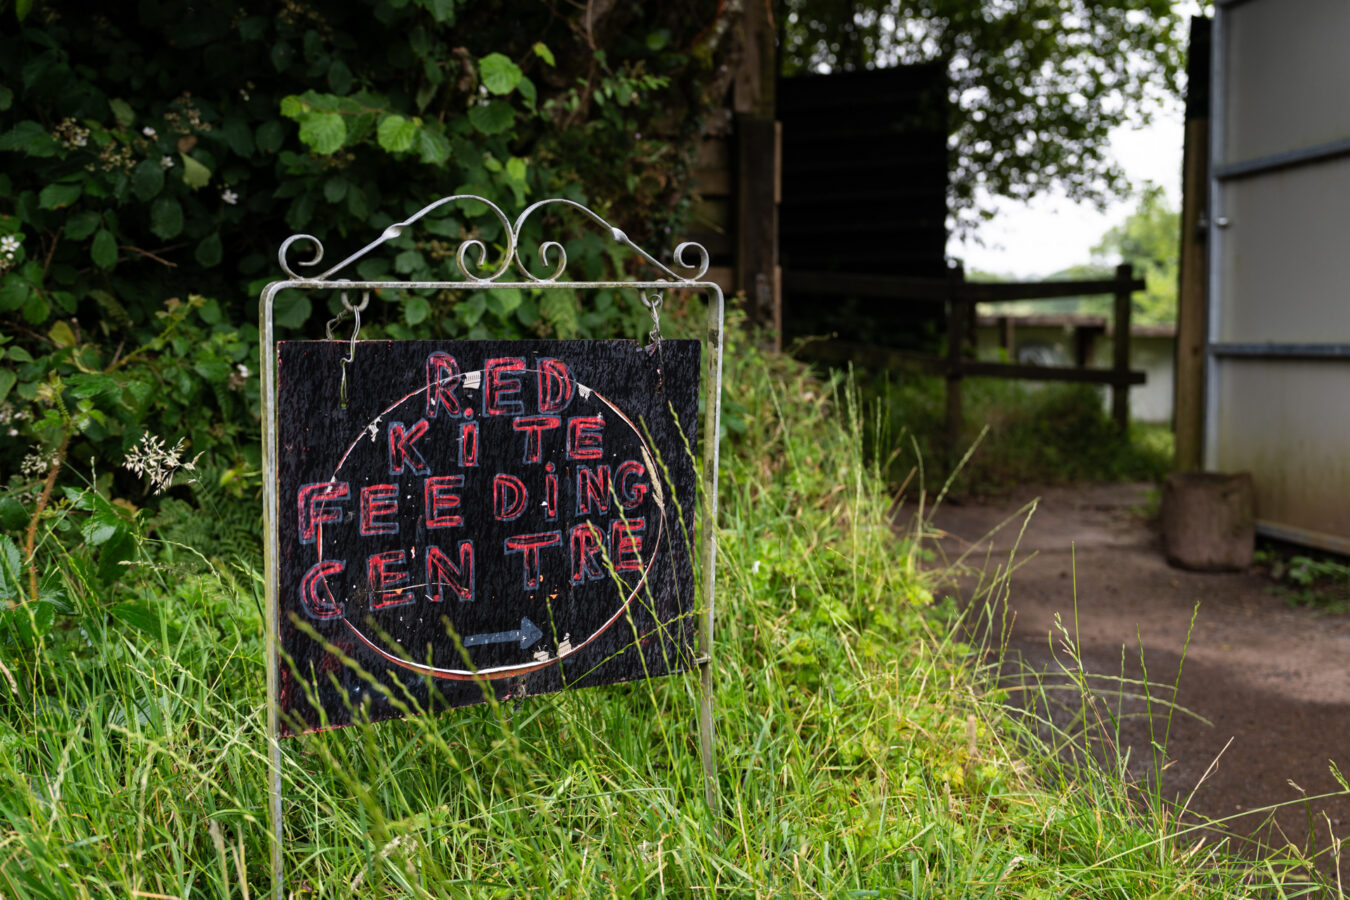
1032 240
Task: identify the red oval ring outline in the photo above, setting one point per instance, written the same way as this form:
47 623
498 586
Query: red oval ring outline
522 668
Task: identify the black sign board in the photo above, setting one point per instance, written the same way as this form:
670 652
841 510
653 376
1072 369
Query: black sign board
512 517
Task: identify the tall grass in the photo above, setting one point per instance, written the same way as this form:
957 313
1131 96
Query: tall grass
859 756
1028 432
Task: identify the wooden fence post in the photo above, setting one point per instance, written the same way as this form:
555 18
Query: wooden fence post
1120 346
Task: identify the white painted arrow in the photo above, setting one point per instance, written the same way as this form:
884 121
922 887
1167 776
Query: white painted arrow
527 634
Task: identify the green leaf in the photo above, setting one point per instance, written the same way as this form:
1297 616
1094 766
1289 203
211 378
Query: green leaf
335 188
527 92
505 301
425 94
209 251
31 138
195 175
56 196
61 335
11 568
416 310
36 309
291 310
560 311
104 249
14 292
270 136
443 11
396 134
323 133
471 310
12 514
339 77
101 527
409 261
500 75
493 118
22 8
433 147
292 107
236 133
85 385
121 547
515 168
6 98
541 50
122 111
81 225
139 615
28 621
7 379
166 217
147 179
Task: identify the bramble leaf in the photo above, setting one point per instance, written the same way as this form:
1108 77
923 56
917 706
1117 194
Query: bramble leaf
396 134
500 75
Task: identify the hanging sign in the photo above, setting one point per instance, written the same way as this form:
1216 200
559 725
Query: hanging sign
480 517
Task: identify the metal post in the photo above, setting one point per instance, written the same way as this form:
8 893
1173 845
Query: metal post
1218 122
957 315
267 368
1120 347
712 418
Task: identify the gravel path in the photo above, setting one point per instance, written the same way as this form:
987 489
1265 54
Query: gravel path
1272 680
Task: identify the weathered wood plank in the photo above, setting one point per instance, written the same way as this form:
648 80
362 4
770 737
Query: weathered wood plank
481 516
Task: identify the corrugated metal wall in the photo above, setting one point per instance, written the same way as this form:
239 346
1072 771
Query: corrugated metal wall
1278 361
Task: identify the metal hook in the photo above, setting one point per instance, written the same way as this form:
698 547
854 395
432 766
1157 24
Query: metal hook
654 306
654 336
347 310
351 348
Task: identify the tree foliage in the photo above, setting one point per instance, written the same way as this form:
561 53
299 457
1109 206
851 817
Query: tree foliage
1036 85
1150 240
154 155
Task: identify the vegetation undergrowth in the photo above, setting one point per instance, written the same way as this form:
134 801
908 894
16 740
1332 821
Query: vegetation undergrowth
1027 433
1316 579
858 755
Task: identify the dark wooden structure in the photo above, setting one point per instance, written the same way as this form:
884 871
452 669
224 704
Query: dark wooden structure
864 193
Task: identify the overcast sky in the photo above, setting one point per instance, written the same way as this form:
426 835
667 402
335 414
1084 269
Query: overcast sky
1053 233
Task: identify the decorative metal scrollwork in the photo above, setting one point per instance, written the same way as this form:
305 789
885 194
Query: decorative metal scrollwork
552 254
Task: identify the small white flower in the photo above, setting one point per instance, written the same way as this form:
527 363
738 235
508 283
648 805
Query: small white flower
166 162
243 370
229 196
149 132
9 245
14 432
158 463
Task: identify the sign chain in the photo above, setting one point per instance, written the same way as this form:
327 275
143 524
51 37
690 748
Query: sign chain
347 309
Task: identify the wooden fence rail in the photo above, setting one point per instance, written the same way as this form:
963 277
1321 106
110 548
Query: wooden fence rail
960 297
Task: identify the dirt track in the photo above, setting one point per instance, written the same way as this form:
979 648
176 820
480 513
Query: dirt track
1273 679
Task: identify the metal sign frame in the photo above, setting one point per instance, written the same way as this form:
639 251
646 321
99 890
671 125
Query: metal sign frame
551 254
